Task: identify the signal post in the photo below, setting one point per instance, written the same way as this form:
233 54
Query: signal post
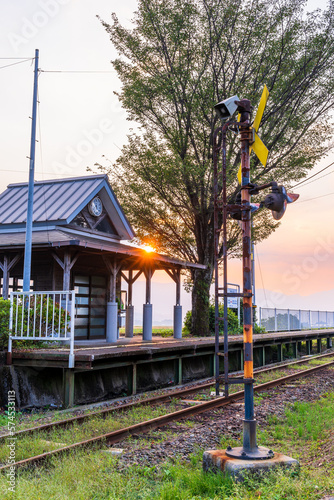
249 457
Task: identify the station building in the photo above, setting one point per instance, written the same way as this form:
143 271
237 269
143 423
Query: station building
79 243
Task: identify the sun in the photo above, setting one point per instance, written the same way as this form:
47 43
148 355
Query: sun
148 249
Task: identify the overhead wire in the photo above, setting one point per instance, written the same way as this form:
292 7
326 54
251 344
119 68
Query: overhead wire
78 71
258 262
314 175
19 62
314 180
42 162
316 198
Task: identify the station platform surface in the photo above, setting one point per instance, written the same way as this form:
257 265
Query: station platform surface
88 353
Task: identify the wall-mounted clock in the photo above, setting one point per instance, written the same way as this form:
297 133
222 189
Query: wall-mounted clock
95 206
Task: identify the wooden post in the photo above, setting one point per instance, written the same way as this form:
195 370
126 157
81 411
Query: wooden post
68 384
129 318
280 352
6 266
294 349
147 307
175 274
112 308
130 283
66 266
309 347
179 375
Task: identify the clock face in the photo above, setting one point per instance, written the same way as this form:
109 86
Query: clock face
95 207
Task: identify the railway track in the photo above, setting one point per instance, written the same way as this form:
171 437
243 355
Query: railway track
143 427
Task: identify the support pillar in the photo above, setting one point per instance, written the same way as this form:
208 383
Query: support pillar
309 347
263 355
129 313
147 322
175 274
112 306
132 379
329 342
68 383
319 346
280 352
294 349
177 322
5 267
178 371
147 307
112 322
66 266
129 321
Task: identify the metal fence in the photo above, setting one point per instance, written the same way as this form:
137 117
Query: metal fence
46 316
277 320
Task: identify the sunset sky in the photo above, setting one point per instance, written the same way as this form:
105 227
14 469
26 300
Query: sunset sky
80 120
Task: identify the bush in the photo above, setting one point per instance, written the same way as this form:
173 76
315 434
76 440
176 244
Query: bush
232 322
4 322
40 315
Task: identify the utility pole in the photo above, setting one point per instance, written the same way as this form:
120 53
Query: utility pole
28 241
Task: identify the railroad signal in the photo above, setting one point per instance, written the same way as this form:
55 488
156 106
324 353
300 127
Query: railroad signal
278 199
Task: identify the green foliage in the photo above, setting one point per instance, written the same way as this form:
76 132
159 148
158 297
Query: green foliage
40 315
232 321
179 59
4 322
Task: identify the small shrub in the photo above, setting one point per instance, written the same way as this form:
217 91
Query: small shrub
4 322
232 321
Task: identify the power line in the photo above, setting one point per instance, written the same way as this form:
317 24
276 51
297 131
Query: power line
314 180
79 71
13 64
27 171
314 175
264 290
316 198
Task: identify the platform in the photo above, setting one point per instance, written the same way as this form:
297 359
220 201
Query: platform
103 371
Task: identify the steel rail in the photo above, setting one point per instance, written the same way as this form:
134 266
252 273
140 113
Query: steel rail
79 419
143 427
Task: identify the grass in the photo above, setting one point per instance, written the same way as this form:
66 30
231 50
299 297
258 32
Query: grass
94 475
46 441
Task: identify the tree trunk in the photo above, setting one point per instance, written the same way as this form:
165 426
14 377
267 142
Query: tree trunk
202 279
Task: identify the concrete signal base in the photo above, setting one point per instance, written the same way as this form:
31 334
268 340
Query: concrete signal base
217 460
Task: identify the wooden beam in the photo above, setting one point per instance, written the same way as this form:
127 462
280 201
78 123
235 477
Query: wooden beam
6 266
148 275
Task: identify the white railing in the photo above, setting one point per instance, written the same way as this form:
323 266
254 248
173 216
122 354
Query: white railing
278 320
46 316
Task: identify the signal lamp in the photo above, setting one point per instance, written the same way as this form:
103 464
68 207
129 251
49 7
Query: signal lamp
226 109
278 199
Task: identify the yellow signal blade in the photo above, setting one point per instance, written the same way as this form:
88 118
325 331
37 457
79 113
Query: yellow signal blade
260 150
258 147
260 109
239 175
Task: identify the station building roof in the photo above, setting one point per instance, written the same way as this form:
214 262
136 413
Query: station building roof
61 219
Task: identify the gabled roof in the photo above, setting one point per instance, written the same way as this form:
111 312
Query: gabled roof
58 202
69 237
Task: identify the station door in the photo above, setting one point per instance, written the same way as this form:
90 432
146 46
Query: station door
91 307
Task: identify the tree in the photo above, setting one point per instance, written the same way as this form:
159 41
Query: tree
180 58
